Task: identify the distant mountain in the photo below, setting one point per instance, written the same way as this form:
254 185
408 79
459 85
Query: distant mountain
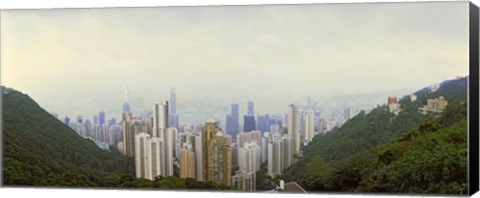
350 158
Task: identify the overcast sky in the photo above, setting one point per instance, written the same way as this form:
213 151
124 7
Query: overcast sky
325 49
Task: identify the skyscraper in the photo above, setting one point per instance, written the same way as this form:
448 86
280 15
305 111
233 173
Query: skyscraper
249 123
173 101
250 109
187 161
247 137
169 141
140 155
101 117
173 116
280 155
95 120
309 126
160 118
293 127
190 144
216 154
232 121
160 146
154 161
126 106
250 157
148 156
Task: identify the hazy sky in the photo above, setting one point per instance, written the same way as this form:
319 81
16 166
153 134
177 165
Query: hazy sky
324 49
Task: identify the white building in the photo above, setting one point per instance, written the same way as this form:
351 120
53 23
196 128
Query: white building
250 157
160 118
264 147
293 127
309 126
280 154
141 155
169 150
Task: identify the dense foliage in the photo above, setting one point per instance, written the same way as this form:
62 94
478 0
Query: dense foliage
381 152
39 150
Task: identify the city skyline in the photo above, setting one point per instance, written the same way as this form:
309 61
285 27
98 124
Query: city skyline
232 50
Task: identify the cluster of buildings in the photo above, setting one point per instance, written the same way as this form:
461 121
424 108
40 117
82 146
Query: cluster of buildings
101 132
436 105
230 155
393 105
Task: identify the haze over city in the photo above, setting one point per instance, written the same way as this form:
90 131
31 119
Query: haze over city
74 59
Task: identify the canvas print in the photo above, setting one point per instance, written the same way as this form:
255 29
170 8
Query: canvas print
348 98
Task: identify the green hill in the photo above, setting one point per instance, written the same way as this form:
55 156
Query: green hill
340 160
39 150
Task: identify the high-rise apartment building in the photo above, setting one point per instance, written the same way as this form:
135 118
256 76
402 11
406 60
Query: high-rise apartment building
187 161
246 137
293 127
216 154
160 118
169 140
280 153
141 165
309 126
250 156
173 120
148 156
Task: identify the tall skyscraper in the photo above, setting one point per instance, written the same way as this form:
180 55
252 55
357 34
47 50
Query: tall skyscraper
148 156
250 111
155 152
101 117
173 101
247 137
160 118
293 127
126 105
169 141
95 120
250 157
140 155
216 154
160 144
280 153
249 123
190 143
199 156
309 126
173 116
232 125
187 161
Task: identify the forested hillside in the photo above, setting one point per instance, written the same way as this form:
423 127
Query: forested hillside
381 152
